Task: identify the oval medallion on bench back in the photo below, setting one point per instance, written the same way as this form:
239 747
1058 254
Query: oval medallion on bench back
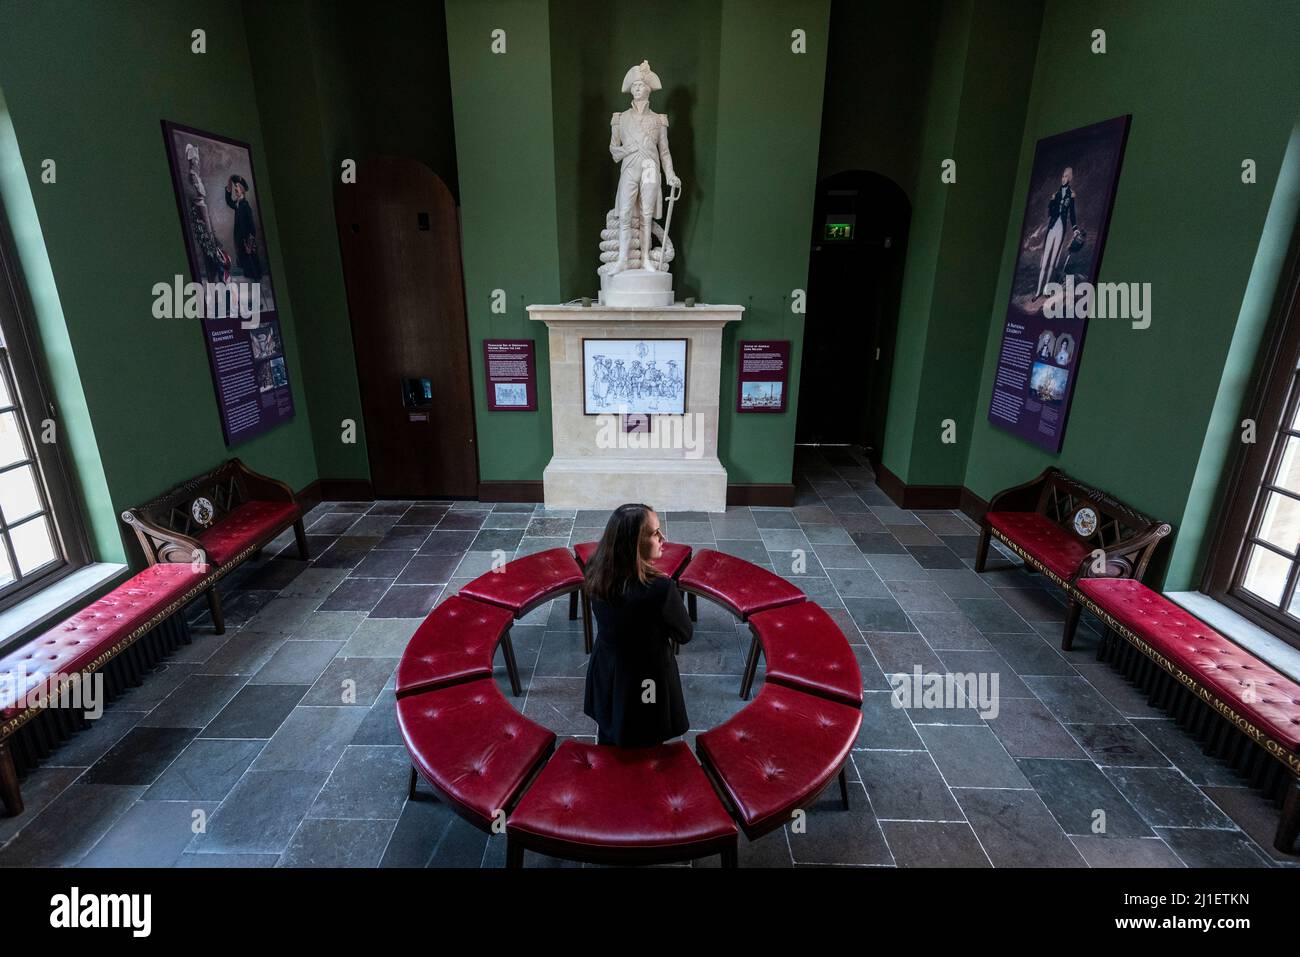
523 584
1266 696
742 587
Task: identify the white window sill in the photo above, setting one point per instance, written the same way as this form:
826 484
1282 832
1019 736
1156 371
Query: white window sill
1266 647
51 605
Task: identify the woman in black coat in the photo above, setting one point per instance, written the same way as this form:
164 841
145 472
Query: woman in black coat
634 691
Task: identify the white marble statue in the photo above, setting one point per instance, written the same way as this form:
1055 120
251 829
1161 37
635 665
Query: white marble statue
639 143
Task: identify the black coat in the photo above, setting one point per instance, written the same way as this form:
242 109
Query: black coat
633 645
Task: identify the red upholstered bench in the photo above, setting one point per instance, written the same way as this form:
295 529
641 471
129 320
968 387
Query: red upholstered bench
804 649
456 643
741 587
1254 698
221 518
42 672
475 750
1058 526
621 806
778 754
671 562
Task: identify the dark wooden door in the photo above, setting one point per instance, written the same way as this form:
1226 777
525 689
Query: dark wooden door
399 236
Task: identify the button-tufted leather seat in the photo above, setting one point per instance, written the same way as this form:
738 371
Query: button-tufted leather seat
1042 539
740 586
244 526
523 584
75 643
456 643
621 805
805 649
778 753
1222 667
473 748
670 563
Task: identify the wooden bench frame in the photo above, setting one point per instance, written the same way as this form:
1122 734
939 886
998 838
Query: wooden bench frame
1125 538
1289 824
168 531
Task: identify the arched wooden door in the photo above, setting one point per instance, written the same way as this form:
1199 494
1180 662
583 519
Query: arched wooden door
399 237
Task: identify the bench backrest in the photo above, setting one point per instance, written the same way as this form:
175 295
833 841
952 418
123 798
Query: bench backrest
1100 520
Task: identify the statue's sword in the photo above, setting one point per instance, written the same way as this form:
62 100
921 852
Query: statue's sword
673 193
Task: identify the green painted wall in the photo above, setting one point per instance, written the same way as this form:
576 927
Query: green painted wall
506 159
292 105
87 85
769 118
1183 221
975 116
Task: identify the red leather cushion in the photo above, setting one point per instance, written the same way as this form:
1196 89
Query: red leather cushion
1042 538
246 525
1221 666
454 643
670 563
593 796
471 745
778 753
805 649
741 586
525 583
72 645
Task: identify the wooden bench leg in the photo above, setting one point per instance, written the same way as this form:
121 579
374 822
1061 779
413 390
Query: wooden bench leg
300 534
586 622
729 856
573 605
844 785
751 668
512 668
9 792
1072 610
514 853
1288 828
410 789
982 552
214 605
692 606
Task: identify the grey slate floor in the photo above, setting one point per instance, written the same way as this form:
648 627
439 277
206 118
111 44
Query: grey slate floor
242 749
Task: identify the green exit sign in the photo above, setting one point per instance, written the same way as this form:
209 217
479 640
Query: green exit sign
838 230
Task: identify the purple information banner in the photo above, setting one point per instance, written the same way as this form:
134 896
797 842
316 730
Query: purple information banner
762 375
221 218
510 371
1071 192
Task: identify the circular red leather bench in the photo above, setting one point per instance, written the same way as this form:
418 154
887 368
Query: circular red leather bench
778 754
523 584
741 587
670 562
456 643
805 650
475 750
612 805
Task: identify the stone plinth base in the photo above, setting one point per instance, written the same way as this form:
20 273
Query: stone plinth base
679 485
637 287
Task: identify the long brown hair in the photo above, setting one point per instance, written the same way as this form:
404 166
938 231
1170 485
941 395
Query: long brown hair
619 559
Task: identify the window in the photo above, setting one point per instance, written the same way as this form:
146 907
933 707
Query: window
1254 565
41 534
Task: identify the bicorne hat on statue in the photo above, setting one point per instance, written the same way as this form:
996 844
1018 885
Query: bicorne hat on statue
641 72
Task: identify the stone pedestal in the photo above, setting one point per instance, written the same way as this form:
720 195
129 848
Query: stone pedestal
674 466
